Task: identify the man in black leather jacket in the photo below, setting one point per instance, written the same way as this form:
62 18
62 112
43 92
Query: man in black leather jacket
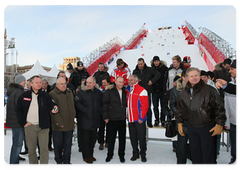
200 106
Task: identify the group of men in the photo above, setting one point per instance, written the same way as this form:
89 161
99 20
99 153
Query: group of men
104 99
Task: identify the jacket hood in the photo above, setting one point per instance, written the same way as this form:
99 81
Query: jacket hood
196 88
12 87
180 84
160 65
219 66
84 87
75 70
110 86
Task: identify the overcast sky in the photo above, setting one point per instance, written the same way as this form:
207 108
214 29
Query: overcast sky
49 33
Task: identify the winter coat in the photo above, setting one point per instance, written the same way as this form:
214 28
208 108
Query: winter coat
160 85
77 76
137 103
172 73
146 74
230 88
202 107
125 72
66 110
45 105
230 106
113 107
221 73
174 94
13 93
88 105
99 75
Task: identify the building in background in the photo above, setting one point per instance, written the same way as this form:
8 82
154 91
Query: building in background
67 60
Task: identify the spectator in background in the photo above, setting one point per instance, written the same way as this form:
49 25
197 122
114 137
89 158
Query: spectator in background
204 77
121 69
137 111
159 89
227 87
63 121
174 70
147 76
230 106
222 70
211 76
69 71
33 114
101 73
199 105
88 104
14 91
103 88
186 62
79 73
47 88
69 85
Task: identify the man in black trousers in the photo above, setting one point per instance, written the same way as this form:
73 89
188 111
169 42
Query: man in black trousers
114 113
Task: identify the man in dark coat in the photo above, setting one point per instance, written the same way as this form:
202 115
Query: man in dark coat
199 105
33 110
79 73
159 89
101 73
15 90
147 77
114 114
88 104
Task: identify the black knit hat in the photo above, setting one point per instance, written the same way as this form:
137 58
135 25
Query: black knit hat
79 63
69 66
204 73
234 64
156 58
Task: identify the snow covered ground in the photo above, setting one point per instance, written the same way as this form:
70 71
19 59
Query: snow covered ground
158 152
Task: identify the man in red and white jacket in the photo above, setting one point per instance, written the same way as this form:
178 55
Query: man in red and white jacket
137 115
121 70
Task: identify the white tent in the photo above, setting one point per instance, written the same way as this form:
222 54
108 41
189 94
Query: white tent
37 69
52 75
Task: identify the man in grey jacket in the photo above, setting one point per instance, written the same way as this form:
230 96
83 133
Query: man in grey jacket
14 92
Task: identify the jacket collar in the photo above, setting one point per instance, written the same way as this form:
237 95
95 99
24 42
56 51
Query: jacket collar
196 88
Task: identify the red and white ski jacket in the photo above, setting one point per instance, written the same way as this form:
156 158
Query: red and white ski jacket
125 72
137 103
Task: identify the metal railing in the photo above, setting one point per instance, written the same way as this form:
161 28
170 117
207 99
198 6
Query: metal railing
97 53
220 43
135 35
192 30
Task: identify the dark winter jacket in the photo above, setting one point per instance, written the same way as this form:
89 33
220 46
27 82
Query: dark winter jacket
113 107
202 107
77 76
13 93
221 73
45 105
66 110
88 104
99 75
160 85
146 74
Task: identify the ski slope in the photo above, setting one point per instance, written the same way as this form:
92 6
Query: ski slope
165 44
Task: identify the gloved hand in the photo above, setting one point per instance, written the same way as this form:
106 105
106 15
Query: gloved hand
180 129
217 130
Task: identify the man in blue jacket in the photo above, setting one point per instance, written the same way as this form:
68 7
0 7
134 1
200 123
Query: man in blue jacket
33 113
